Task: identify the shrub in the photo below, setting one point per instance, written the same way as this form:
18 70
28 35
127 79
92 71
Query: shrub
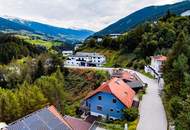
131 114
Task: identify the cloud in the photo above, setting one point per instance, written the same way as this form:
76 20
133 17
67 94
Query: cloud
89 14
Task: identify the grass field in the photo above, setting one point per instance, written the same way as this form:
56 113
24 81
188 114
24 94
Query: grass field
47 44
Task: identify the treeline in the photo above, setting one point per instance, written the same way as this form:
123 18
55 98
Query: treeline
148 39
28 69
63 88
12 47
177 79
27 98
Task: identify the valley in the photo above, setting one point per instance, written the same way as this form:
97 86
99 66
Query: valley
132 75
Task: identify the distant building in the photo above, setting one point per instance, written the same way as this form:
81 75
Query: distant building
114 36
67 52
77 46
85 59
156 66
109 100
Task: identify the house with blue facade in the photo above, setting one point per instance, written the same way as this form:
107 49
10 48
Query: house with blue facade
109 100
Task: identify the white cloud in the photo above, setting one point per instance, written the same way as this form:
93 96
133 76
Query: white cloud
90 14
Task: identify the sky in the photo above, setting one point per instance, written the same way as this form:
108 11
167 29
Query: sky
87 14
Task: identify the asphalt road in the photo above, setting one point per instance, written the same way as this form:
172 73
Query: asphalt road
152 113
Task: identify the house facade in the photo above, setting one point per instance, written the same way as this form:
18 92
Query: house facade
105 105
109 100
85 59
67 52
156 66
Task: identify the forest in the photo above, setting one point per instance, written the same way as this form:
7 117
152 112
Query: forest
31 81
12 47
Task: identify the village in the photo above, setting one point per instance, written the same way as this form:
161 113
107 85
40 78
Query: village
107 102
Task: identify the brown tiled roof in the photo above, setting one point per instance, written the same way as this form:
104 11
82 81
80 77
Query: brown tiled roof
119 89
77 124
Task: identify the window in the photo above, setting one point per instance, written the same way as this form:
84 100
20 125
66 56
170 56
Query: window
111 110
99 108
114 100
99 97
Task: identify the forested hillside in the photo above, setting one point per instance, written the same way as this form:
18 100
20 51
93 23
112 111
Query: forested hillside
12 47
136 46
151 13
177 79
29 84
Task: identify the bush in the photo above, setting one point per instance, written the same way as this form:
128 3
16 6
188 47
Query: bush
131 114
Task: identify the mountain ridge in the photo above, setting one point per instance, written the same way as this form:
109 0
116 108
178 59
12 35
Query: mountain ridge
59 33
150 13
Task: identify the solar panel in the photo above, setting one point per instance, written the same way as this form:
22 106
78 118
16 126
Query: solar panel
18 126
43 119
38 125
54 123
45 115
30 119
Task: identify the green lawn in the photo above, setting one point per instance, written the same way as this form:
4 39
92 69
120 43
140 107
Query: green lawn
47 44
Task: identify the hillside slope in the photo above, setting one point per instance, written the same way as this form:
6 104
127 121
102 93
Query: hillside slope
133 50
6 24
149 13
62 34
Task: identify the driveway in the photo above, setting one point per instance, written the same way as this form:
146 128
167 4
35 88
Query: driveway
152 113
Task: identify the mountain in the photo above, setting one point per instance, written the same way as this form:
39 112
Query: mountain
57 33
7 24
151 13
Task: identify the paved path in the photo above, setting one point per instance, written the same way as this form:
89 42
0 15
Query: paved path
152 113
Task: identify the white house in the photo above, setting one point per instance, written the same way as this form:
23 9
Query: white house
99 39
155 68
77 46
67 52
85 59
114 36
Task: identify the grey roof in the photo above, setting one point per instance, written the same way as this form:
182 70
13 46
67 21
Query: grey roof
86 54
135 84
43 119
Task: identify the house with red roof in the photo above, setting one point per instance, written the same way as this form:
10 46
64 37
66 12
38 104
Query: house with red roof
109 100
156 66
130 78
